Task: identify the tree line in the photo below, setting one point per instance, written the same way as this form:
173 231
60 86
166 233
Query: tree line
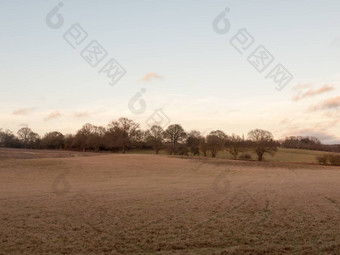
308 143
124 134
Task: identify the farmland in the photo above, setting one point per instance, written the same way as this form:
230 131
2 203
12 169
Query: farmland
282 155
157 204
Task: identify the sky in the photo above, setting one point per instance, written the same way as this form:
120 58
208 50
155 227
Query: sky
191 59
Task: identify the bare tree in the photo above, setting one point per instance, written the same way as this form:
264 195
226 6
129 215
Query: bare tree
203 146
124 130
8 139
28 137
70 142
34 140
53 140
263 142
234 145
175 133
23 134
83 136
140 139
97 138
215 142
193 142
155 137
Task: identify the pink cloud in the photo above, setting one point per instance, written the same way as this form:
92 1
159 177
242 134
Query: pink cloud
151 76
81 114
53 115
23 111
302 86
331 103
312 92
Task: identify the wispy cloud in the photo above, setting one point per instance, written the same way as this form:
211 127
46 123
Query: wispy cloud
302 86
53 115
312 92
286 121
23 111
151 76
331 103
81 115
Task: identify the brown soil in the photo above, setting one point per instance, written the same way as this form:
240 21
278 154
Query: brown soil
149 204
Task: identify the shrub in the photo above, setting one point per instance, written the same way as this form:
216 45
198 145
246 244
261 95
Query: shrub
245 156
169 149
182 150
334 160
195 151
322 160
178 150
329 159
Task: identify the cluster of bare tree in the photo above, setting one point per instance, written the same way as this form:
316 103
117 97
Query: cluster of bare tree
308 143
302 142
25 138
124 134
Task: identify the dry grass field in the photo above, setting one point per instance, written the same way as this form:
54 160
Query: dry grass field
75 203
282 155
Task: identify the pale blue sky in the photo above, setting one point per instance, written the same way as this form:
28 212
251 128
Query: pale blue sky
206 83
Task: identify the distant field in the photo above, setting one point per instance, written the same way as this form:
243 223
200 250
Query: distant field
286 155
282 155
8 153
156 204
